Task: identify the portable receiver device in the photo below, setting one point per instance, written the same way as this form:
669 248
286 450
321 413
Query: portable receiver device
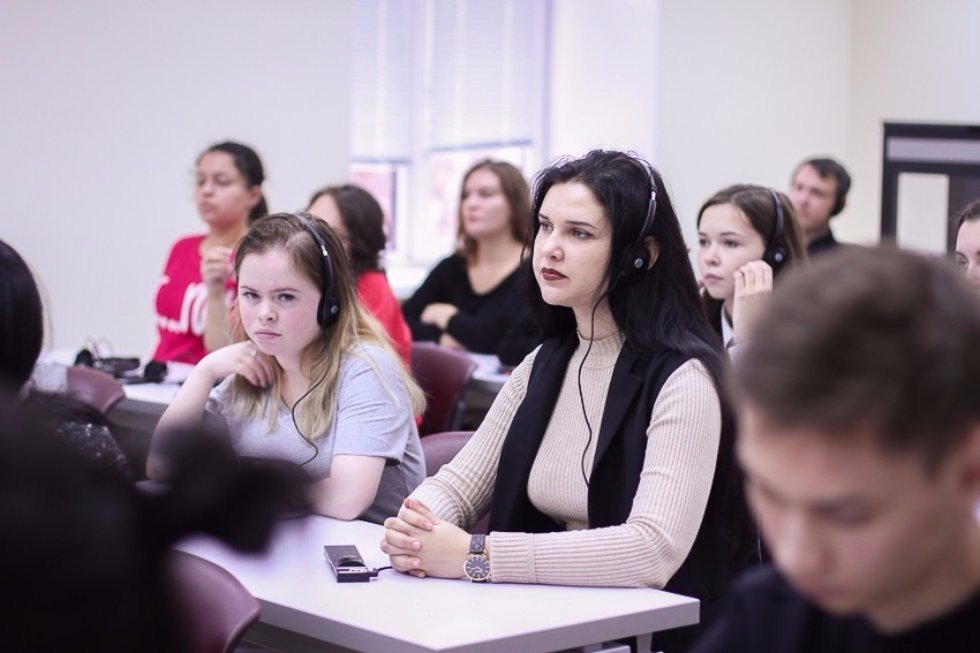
348 565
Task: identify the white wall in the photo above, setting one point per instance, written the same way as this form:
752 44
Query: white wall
913 62
107 103
603 76
747 90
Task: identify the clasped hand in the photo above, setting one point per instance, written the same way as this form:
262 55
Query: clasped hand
438 314
420 543
753 286
243 359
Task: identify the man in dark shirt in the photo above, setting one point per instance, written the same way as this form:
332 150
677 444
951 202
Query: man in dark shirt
818 192
860 442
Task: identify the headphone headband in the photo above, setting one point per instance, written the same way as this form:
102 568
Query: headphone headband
638 256
328 310
774 254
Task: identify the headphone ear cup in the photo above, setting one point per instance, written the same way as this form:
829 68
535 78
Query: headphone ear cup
775 257
638 261
84 358
328 308
328 311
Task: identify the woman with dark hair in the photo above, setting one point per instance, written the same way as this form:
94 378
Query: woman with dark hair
607 457
474 299
22 327
968 242
87 563
197 286
357 218
21 335
748 235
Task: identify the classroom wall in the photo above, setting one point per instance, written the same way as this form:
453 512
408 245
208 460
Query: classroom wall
747 90
913 62
106 105
603 90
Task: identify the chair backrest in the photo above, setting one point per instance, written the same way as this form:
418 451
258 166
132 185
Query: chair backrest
442 373
93 387
216 607
440 448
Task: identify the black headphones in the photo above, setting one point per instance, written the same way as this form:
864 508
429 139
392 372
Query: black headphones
775 254
328 310
638 258
636 262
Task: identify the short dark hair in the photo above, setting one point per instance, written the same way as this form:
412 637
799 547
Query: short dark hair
365 223
869 338
515 190
969 213
827 167
22 323
249 165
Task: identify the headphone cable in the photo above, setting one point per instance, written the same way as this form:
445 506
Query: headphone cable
292 413
647 225
581 395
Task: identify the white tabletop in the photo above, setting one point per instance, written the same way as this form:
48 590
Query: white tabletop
488 377
50 375
152 393
395 612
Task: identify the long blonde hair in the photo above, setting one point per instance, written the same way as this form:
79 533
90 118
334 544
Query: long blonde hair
325 355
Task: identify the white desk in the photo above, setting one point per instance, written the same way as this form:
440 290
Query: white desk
50 375
395 612
488 371
145 402
488 378
158 394
135 416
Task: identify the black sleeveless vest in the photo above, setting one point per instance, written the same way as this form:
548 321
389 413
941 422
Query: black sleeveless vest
726 542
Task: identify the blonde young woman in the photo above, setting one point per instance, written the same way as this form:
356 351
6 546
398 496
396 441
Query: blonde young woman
313 379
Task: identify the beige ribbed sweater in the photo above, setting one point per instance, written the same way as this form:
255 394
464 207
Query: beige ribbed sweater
684 434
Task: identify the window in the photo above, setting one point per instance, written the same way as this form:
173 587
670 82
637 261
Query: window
439 85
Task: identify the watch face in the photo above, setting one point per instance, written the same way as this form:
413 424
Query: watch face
477 567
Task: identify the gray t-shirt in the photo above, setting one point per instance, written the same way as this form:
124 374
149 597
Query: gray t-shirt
372 417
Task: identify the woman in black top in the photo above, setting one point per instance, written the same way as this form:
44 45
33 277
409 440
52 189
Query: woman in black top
475 300
21 335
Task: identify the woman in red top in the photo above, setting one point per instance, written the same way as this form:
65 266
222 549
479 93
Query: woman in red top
197 286
358 220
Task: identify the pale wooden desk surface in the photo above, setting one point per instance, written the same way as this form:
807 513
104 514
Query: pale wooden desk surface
396 612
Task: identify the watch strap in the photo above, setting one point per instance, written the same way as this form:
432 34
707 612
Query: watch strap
478 544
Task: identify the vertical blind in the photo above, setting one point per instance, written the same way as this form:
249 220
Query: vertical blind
383 75
485 71
482 75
